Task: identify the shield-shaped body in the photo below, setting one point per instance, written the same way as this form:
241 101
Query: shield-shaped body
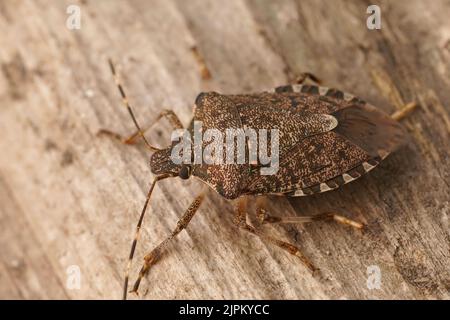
326 138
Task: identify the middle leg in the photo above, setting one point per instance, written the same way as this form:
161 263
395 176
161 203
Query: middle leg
240 220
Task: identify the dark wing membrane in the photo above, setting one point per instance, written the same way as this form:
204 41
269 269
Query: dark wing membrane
370 129
363 124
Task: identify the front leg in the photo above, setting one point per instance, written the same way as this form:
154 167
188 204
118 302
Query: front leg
169 114
151 258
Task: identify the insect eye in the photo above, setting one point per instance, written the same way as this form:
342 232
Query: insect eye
185 172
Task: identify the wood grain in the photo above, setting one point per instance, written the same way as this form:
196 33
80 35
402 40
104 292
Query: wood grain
70 198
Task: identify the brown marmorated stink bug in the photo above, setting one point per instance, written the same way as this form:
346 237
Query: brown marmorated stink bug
327 138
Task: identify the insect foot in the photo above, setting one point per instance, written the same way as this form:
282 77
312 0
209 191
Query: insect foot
114 135
149 260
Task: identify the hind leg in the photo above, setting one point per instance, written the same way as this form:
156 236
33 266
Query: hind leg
307 75
404 112
264 217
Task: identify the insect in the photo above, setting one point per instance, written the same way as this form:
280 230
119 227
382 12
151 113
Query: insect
327 138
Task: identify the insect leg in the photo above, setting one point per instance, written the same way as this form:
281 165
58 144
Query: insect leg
403 112
138 228
241 221
151 258
264 217
169 114
204 71
261 212
307 75
305 219
130 111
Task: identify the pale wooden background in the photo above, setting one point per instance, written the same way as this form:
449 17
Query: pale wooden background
70 198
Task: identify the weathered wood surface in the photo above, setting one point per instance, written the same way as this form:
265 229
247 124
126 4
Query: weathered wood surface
70 198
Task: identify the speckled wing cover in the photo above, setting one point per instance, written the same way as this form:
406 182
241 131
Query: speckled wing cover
315 155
